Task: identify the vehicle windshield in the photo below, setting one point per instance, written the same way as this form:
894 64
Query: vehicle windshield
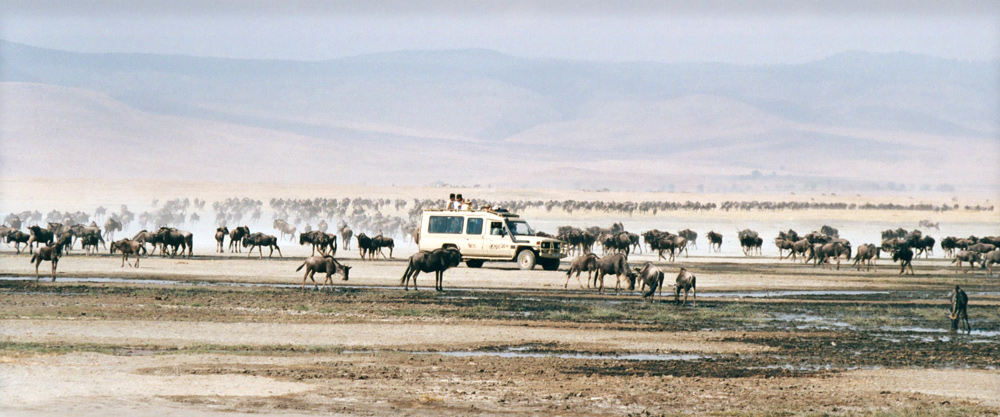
520 228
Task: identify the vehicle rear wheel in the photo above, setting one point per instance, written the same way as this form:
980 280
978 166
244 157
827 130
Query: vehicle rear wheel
474 263
549 264
526 260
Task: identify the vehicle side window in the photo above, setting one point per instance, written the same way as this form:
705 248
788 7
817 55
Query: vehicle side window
445 224
496 228
474 226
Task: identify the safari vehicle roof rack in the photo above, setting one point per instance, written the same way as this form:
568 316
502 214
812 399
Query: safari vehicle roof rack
497 211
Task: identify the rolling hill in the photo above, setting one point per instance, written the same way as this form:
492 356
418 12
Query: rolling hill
851 121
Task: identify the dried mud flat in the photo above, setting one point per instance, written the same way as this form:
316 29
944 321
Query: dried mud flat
211 336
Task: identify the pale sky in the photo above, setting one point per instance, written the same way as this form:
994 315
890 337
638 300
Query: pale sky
756 32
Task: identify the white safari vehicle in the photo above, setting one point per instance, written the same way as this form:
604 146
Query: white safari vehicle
489 235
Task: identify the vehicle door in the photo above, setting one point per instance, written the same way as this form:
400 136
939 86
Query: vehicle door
496 242
473 237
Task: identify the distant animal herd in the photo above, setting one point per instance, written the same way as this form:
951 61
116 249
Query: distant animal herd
823 247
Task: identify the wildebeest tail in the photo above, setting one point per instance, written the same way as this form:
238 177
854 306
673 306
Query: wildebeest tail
300 267
33 257
409 267
189 240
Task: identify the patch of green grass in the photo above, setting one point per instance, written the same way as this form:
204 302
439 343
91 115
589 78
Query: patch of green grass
301 307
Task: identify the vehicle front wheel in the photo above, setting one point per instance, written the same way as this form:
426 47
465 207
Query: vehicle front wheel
474 263
549 264
526 260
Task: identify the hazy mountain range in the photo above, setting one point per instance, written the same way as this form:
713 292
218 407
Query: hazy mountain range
854 121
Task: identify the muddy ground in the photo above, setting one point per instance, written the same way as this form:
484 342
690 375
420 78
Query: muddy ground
215 335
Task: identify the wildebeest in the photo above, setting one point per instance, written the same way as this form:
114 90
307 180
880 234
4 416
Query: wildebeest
285 229
989 259
714 239
866 255
749 240
948 245
110 227
317 239
614 264
345 235
904 255
366 247
959 310
783 245
236 237
175 238
981 247
583 263
220 237
18 237
39 235
128 247
327 264
801 248
685 281
91 241
650 276
966 256
47 253
835 250
379 242
616 243
259 240
436 261
691 236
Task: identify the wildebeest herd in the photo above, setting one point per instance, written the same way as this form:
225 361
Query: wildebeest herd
823 247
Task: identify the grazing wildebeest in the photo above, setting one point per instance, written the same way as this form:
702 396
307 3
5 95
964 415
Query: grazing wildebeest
650 276
989 259
325 263
236 237
366 247
379 242
220 237
18 237
285 229
903 255
685 281
259 240
436 261
47 253
584 263
317 239
128 247
959 310
714 240
110 227
39 235
966 256
866 255
614 264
